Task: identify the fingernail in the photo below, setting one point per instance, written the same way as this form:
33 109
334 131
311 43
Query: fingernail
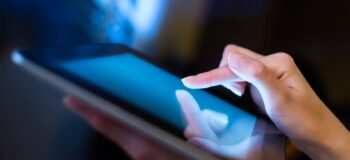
186 78
234 60
187 81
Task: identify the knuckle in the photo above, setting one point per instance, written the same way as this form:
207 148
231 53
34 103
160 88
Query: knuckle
229 48
257 70
286 58
286 61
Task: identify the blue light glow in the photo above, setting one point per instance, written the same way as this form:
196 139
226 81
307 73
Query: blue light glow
17 58
131 22
153 90
147 16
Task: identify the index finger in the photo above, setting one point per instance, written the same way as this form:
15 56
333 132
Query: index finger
211 78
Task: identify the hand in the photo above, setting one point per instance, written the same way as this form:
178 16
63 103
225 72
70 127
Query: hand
203 128
138 146
135 144
201 131
280 90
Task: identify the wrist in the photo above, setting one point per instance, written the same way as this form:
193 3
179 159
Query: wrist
338 149
334 147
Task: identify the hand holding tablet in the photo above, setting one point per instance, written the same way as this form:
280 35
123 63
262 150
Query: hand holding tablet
280 90
203 126
154 107
201 130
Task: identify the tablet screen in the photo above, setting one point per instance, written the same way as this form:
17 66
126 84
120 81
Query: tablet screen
151 89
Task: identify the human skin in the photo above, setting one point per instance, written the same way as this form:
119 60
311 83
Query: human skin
134 143
280 90
277 87
202 129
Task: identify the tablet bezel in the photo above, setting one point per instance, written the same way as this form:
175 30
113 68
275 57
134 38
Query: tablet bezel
39 62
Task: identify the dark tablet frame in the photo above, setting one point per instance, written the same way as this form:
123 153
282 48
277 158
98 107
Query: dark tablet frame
51 57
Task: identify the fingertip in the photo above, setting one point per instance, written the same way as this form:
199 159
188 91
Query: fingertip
187 82
217 121
73 103
210 78
181 93
185 98
182 96
197 82
192 114
68 100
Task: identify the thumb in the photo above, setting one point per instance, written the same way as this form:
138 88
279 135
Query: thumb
256 73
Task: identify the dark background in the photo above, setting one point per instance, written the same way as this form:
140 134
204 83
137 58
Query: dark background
35 125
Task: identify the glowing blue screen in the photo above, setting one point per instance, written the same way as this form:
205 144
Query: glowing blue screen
152 90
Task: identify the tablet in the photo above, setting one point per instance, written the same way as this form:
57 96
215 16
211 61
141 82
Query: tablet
133 89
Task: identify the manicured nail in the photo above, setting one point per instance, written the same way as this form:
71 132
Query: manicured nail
187 81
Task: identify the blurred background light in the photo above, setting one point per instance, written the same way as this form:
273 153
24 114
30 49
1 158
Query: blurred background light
187 36
131 22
